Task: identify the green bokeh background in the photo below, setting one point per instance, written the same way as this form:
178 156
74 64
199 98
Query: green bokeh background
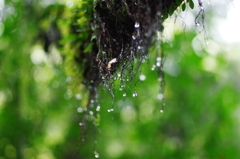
39 117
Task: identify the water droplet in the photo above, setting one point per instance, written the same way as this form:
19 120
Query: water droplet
160 96
161 111
158 64
134 37
158 59
96 154
92 101
110 110
142 77
120 89
198 24
137 25
98 108
134 94
81 124
79 110
69 79
91 112
78 96
158 13
153 67
124 94
139 47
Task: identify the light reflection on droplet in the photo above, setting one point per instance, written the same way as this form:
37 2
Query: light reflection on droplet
153 67
142 77
91 112
96 154
134 94
158 59
98 108
69 79
161 111
198 24
79 110
160 96
137 25
158 64
78 96
110 110
124 94
81 124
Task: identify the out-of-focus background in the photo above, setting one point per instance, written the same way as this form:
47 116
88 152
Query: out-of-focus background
39 116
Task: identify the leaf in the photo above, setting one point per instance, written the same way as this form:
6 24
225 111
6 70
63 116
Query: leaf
191 4
183 6
179 2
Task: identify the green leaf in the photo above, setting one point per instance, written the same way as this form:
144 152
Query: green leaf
191 4
179 2
183 6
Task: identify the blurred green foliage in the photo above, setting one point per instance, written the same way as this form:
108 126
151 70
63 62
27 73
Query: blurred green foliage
39 117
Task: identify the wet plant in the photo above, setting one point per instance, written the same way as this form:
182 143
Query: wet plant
107 42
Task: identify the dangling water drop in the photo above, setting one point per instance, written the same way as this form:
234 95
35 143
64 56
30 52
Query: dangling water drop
91 112
79 110
142 77
98 108
124 94
110 110
158 59
153 67
198 24
134 94
96 154
134 37
137 25
160 96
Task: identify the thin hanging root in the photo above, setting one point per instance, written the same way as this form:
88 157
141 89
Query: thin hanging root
162 78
